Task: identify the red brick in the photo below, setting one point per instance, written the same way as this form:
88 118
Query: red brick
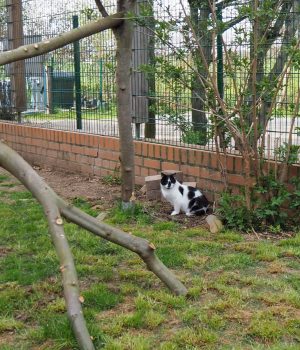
138 148
115 166
98 162
151 150
194 171
65 147
191 157
137 170
176 154
152 171
116 144
145 149
204 172
163 152
170 153
144 171
214 161
236 179
205 159
191 183
102 141
238 165
152 163
91 152
94 141
293 171
51 145
183 156
138 160
52 153
169 166
105 163
229 163
77 139
157 151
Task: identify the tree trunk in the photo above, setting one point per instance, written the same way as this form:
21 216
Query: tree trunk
123 36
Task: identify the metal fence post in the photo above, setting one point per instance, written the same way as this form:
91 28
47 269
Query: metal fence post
77 77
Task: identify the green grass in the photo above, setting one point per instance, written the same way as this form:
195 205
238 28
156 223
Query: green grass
243 292
108 113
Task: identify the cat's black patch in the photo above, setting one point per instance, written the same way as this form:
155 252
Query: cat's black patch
172 179
192 203
180 190
198 205
191 194
164 180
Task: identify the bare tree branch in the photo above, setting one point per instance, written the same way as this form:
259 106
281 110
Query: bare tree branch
40 48
14 163
101 8
17 166
54 207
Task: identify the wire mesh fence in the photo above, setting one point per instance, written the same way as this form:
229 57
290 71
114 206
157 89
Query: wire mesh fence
73 88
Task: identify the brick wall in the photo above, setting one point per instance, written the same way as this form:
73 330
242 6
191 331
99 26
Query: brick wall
99 155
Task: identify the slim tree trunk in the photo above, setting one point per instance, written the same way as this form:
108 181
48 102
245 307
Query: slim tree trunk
123 36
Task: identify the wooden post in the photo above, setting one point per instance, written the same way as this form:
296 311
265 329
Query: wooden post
17 69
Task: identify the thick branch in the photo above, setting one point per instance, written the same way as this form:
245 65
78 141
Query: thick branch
136 244
17 166
28 51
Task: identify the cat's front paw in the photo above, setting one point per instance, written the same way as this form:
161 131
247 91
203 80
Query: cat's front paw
174 212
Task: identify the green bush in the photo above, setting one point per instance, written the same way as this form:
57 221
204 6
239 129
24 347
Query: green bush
270 201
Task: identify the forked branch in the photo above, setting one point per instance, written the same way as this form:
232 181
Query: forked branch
54 207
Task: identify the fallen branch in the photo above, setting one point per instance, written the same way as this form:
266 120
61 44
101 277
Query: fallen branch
55 207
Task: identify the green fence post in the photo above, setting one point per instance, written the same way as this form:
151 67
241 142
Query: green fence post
220 68
77 77
101 82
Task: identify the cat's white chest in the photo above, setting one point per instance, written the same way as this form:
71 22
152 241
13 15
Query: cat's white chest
175 197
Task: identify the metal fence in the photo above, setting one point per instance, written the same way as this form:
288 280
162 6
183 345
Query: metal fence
73 88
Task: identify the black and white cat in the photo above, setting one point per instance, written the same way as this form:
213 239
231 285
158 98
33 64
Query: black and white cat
183 198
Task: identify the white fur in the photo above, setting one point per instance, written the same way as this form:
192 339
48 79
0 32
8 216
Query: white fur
180 202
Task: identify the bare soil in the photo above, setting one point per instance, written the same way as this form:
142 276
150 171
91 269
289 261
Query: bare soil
104 194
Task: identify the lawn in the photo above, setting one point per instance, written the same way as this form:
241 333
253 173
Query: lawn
243 291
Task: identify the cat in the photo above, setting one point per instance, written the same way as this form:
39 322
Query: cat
183 198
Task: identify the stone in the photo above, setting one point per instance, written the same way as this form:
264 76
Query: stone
153 195
214 223
152 182
101 216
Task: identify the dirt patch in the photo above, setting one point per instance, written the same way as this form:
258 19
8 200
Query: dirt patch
104 194
71 186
